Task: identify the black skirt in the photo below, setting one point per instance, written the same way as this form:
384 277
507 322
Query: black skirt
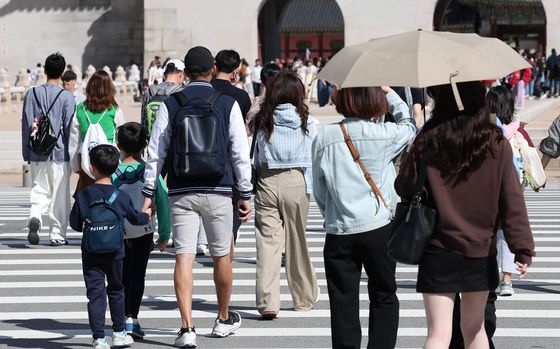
443 271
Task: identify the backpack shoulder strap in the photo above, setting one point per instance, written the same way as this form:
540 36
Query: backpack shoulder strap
37 100
180 98
214 97
54 101
113 197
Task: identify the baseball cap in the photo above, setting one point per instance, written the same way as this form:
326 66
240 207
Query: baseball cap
199 60
69 76
174 65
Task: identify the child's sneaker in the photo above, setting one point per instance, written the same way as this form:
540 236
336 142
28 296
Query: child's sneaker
100 343
223 328
506 289
121 339
134 329
186 338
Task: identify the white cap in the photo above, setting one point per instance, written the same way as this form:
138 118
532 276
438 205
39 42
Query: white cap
179 65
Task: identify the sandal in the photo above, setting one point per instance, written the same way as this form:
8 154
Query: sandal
59 242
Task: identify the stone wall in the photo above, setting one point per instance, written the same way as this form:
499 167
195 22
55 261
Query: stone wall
172 26
98 32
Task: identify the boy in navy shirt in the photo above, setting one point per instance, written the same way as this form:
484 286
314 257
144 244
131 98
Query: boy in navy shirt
104 162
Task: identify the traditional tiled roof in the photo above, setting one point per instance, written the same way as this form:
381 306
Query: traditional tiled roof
311 16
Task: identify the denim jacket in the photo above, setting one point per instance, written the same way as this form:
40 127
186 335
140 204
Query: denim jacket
342 193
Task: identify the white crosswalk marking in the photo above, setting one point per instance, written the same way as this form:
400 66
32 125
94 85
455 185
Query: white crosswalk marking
43 300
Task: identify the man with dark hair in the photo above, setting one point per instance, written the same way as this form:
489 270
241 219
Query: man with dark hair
218 125
227 70
227 66
48 110
553 66
256 77
69 83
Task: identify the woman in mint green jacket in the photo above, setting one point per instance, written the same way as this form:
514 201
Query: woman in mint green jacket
356 221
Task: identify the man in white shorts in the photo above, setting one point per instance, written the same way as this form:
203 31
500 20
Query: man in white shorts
203 134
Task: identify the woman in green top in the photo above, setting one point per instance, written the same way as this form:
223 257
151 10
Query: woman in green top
100 107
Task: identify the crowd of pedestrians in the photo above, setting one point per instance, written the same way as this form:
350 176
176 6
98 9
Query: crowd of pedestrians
194 131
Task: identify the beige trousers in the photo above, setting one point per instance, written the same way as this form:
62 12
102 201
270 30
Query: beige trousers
281 208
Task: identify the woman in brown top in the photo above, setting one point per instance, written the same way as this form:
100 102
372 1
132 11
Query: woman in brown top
472 183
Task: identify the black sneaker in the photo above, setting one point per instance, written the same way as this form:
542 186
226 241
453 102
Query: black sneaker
34 225
283 260
223 328
186 338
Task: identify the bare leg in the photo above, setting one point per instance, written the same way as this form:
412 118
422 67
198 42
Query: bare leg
223 279
472 319
439 313
184 286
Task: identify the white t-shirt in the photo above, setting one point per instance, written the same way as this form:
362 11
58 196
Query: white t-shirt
257 74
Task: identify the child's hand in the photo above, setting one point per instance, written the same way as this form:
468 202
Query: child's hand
149 211
161 244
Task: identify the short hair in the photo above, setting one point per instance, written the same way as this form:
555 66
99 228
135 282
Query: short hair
54 66
553 51
132 138
196 76
105 158
268 72
69 76
500 100
227 61
361 102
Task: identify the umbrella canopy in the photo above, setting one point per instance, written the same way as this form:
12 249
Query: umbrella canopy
422 59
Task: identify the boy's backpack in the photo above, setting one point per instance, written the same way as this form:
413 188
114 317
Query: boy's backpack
133 187
43 139
103 228
94 137
199 139
152 107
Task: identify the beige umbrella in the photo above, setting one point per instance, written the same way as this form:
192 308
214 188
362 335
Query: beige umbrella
422 59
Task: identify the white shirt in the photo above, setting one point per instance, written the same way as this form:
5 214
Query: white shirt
257 74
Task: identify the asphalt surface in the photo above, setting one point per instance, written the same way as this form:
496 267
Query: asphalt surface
43 304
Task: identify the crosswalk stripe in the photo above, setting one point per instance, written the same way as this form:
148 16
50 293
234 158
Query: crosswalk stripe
254 314
250 297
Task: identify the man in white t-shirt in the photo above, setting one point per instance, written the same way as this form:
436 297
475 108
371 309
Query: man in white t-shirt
256 75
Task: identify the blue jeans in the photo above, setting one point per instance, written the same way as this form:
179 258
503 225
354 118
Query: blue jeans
530 88
554 84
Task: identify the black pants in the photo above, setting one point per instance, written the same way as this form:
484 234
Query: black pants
257 88
489 321
344 256
135 264
95 271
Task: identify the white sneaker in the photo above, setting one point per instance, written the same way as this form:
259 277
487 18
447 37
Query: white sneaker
186 338
121 339
223 328
100 343
506 289
201 249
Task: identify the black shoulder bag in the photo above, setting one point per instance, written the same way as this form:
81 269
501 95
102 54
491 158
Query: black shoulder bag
413 225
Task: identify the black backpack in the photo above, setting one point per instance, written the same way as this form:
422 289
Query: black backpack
199 138
103 227
44 140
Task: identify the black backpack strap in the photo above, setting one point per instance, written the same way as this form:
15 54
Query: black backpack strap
55 99
254 140
37 100
180 98
214 97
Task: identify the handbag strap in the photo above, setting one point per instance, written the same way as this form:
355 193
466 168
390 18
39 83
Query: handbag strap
254 140
356 157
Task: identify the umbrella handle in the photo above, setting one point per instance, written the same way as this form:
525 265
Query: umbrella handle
452 78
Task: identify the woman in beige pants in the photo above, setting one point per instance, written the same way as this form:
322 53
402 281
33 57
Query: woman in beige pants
285 134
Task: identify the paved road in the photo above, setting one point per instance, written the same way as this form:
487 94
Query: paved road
43 304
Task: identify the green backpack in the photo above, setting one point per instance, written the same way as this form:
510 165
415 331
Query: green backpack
151 110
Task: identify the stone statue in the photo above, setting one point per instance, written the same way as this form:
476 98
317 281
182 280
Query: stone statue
41 77
120 74
89 72
78 73
134 73
108 71
23 78
4 81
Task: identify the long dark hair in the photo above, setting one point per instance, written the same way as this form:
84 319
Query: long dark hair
457 142
285 87
500 100
100 92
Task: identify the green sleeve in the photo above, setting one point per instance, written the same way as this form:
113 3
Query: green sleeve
162 210
115 180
